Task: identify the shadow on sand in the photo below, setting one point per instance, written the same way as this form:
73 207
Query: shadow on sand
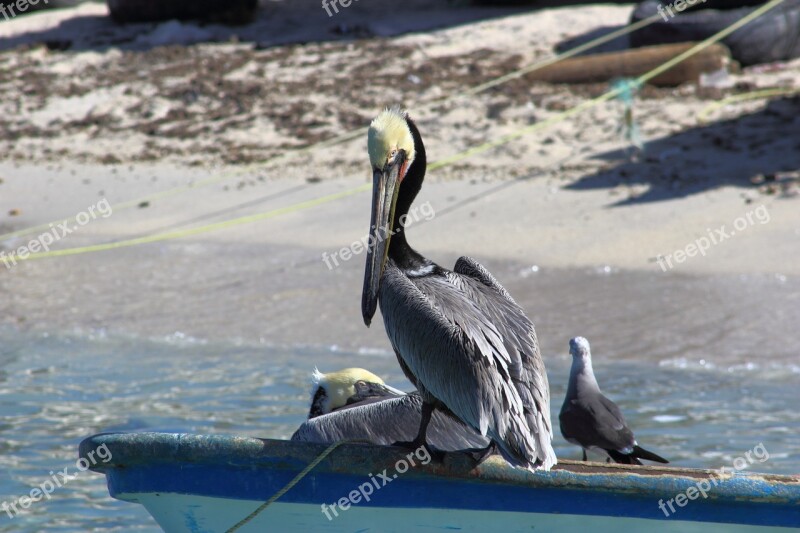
724 153
275 24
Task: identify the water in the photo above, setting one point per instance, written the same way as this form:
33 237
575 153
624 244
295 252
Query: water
56 389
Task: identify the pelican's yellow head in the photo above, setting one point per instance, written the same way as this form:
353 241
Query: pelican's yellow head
331 391
389 134
391 149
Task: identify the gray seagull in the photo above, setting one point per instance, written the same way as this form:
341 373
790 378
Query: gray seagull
591 420
458 335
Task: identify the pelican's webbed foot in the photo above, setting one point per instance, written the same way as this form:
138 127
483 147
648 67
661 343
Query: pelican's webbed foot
479 455
435 455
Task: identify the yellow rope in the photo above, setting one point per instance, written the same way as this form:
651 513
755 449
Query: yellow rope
355 133
569 53
194 231
614 92
710 40
438 164
753 95
202 183
303 473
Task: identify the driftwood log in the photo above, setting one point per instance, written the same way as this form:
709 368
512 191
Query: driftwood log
632 63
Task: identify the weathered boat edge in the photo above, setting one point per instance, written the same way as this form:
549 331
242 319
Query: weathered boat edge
243 468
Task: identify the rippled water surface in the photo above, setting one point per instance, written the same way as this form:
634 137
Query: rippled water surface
58 389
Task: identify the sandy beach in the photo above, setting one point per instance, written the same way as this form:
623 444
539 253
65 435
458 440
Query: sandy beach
127 112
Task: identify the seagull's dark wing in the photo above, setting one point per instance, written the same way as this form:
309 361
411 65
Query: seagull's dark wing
595 421
641 453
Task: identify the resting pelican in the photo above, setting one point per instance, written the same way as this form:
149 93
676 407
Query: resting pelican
459 336
591 420
376 413
346 388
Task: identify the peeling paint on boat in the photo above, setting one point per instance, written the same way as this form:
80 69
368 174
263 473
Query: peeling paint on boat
208 483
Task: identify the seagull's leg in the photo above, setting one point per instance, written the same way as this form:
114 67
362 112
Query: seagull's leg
584 454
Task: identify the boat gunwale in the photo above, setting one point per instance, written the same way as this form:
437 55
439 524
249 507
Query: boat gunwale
130 450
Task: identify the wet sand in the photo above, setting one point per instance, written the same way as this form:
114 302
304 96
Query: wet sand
268 282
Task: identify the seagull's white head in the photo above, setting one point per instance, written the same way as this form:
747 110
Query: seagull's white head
579 349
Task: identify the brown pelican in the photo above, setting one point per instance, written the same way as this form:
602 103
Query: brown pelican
591 420
378 414
458 335
346 388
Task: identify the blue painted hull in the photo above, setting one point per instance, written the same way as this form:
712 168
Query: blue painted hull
209 483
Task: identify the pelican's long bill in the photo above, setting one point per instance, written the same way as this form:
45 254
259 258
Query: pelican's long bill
385 187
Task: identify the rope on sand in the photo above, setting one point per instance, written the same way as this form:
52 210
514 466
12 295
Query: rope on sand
359 132
702 117
588 104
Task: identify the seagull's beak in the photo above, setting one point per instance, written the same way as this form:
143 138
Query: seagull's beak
385 187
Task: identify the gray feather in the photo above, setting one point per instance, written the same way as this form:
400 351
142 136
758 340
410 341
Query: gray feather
387 422
468 345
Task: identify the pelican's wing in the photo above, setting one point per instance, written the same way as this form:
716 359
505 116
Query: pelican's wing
471 347
387 422
528 371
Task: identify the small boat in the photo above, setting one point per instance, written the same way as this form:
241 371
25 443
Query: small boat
215 483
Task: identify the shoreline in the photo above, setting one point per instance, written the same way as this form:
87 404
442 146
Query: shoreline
569 198
542 220
268 279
